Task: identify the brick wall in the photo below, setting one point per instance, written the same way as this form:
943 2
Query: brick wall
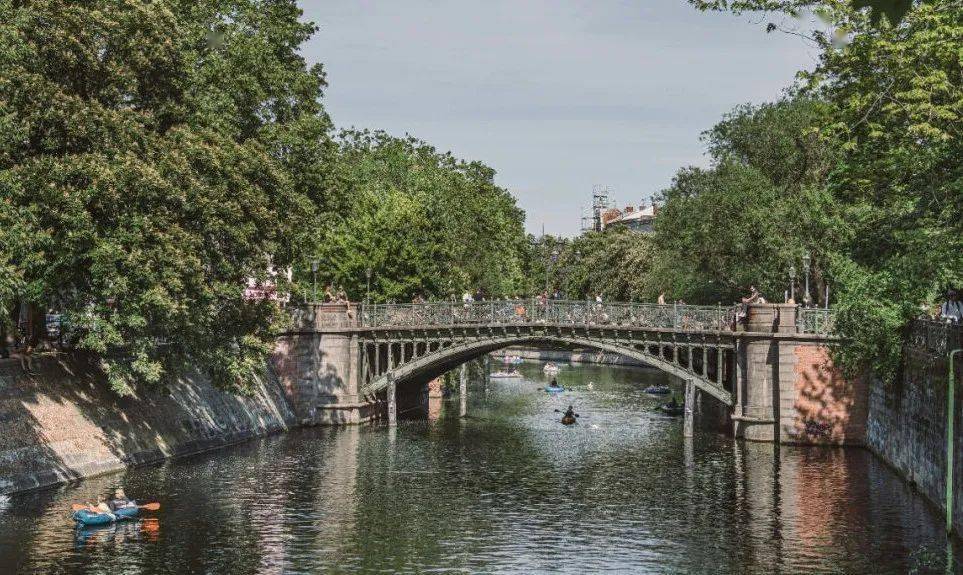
825 407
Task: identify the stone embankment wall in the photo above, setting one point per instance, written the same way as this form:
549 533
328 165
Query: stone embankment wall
59 423
907 429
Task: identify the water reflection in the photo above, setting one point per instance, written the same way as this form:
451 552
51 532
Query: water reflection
506 490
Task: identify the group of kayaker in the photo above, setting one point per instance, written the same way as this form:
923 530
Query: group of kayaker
108 510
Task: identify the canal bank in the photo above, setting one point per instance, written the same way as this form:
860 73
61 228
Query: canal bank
59 423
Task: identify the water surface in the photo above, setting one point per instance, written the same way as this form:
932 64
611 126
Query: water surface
507 490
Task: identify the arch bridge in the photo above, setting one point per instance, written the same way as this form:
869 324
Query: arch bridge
767 365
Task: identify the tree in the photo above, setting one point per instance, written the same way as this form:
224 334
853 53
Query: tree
424 222
751 216
894 10
150 153
894 94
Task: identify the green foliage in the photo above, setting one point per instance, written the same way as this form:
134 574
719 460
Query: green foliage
146 152
615 264
425 223
898 97
894 10
864 171
755 213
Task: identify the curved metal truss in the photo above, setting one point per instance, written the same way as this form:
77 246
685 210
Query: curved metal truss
706 358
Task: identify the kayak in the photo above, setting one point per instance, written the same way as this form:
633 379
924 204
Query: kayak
669 409
127 512
86 517
558 389
658 389
568 420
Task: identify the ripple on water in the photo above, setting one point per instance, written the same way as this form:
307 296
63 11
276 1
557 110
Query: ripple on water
508 490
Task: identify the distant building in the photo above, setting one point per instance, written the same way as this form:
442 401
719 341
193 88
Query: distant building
640 220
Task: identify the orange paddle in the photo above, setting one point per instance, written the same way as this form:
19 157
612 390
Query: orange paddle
148 506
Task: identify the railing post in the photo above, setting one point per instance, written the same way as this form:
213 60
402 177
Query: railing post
675 315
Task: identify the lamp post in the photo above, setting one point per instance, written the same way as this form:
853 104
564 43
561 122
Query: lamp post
573 262
807 299
314 279
367 290
548 268
792 283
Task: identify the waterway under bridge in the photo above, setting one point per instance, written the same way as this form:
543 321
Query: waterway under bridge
768 364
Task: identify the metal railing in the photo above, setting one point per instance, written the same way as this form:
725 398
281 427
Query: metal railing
818 321
934 337
557 312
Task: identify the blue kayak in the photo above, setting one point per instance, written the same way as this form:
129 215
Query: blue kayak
558 389
86 517
127 512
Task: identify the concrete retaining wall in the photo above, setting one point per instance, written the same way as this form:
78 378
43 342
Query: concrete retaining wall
58 423
907 429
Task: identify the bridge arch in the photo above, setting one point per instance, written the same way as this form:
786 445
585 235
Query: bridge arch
446 358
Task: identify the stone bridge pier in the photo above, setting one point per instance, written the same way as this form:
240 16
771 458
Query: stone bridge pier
771 376
317 363
787 388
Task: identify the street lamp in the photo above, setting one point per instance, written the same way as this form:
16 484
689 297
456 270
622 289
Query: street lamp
367 291
792 283
548 267
806 261
314 278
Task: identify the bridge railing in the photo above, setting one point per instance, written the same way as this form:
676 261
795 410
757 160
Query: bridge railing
564 312
818 321
933 337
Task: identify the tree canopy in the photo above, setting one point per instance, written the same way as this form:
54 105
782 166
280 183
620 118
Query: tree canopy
425 223
154 156
860 167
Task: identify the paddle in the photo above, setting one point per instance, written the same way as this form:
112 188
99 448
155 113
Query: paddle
148 506
575 414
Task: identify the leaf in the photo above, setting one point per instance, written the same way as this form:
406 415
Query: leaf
895 10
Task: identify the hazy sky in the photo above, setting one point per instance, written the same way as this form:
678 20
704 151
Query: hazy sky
557 96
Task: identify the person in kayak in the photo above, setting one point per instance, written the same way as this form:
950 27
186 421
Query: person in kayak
554 383
100 507
120 500
569 413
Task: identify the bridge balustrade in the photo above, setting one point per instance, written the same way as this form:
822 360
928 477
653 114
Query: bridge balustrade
934 338
555 312
818 321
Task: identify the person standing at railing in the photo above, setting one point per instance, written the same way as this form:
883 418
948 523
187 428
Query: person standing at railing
754 297
952 309
661 300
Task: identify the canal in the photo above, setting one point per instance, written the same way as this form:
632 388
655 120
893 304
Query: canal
506 490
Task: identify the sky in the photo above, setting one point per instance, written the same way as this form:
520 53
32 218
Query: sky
556 96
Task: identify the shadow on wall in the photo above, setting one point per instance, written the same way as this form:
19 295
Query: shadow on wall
61 422
829 407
